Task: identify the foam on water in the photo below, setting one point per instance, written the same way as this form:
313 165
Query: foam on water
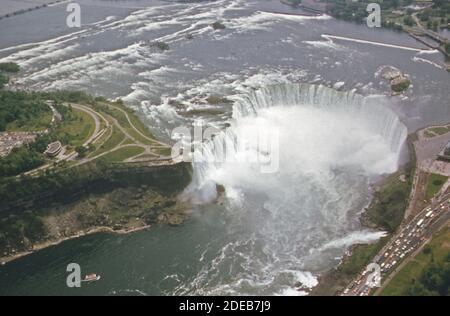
284 228
358 237
299 219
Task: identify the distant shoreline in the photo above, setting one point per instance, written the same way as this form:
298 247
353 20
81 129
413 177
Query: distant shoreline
24 7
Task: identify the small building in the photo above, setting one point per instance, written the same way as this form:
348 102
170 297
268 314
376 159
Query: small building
53 149
445 153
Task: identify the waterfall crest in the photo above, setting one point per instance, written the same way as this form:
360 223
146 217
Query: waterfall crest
367 113
303 216
379 118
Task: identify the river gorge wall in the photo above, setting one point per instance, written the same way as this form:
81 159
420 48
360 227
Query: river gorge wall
69 185
39 212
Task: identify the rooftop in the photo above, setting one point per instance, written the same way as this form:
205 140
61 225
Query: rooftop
53 148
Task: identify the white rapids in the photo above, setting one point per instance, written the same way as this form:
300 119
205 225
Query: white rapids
286 225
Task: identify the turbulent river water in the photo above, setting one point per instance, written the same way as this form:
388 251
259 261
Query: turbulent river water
337 130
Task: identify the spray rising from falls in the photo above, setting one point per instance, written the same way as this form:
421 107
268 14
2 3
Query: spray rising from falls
345 120
378 118
295 220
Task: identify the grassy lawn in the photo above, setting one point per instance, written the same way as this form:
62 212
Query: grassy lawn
440 248
110 140
164 151
114 140
127 126
77 129
435 183
102 139
121 154
429 134
123 121
139 125
441 130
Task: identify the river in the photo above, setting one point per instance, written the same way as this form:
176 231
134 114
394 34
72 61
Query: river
271 234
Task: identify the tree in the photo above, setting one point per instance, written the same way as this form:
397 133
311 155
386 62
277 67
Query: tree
2 124
408 20
24 109
419 290
9 67
424 15
435 25
81 150
447 49
439 3
20 160
427 250
3 80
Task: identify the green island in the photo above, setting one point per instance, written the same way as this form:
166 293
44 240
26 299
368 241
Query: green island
73 164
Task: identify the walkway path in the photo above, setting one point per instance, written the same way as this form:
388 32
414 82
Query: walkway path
415 49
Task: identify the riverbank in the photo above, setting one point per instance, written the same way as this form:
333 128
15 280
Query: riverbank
422 21
52 208
385 212
51 243
112 175
121 211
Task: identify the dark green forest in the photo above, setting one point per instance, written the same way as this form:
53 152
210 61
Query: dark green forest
21 108
434 281
5 69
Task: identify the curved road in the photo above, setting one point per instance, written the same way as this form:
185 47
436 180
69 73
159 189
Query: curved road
96 116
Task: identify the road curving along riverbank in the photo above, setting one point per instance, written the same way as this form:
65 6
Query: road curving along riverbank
385 212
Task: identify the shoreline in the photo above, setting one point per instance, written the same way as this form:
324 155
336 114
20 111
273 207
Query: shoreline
92 195
439 39
54 242
334 279
32 6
